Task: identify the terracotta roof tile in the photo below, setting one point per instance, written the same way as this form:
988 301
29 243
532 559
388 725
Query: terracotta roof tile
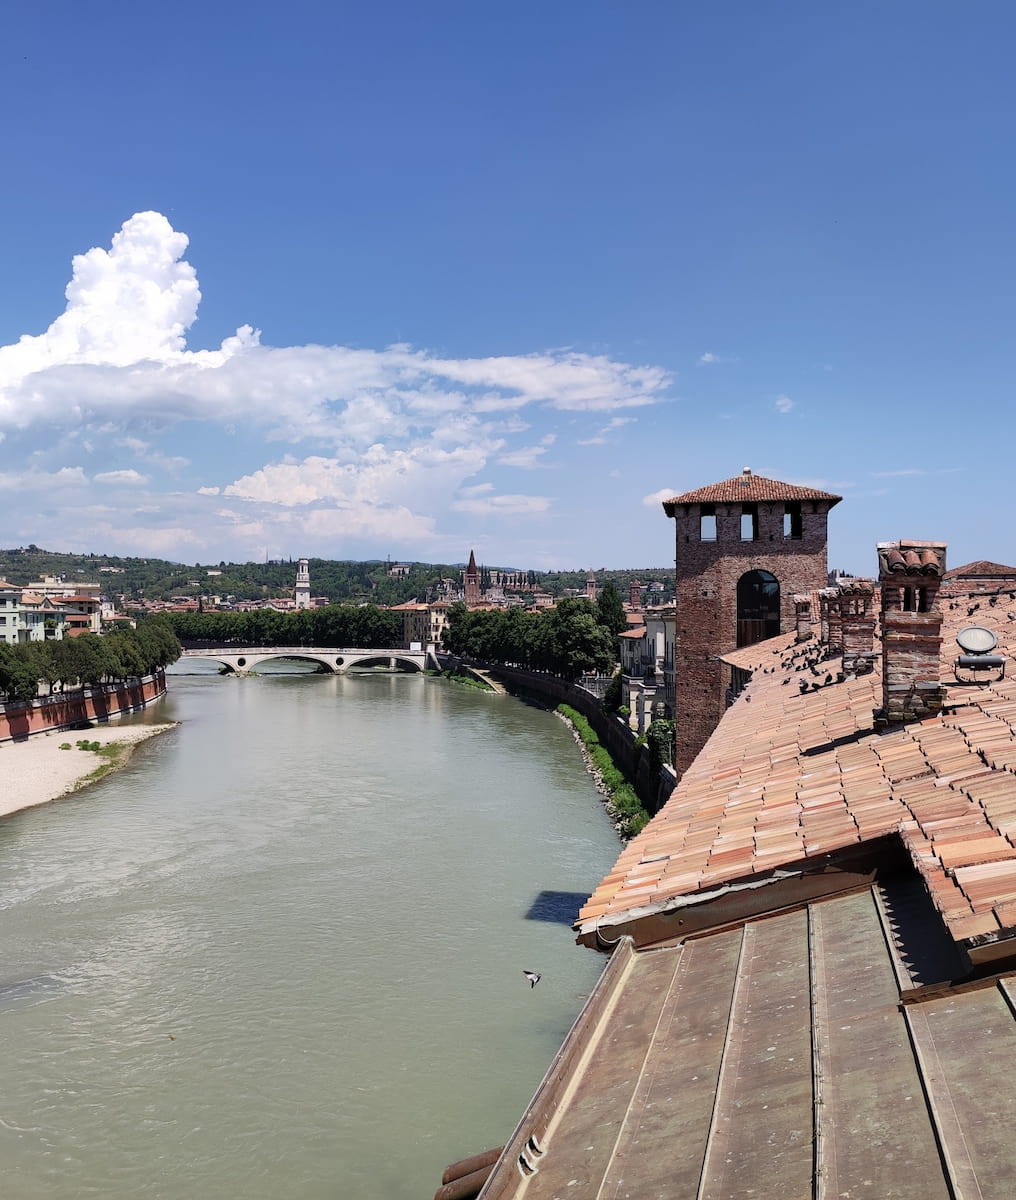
747 487
992 570
776 783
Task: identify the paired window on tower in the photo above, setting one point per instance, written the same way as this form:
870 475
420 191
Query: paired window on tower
793 522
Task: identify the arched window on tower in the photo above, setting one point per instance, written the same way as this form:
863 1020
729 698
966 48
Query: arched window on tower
758 607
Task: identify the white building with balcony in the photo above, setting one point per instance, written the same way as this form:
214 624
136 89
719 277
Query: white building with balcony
647 667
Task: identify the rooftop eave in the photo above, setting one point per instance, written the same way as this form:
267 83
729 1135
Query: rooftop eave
691 913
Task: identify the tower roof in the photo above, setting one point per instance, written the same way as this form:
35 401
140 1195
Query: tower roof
747 487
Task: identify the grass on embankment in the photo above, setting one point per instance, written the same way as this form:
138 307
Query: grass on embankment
115 754
623 804
466 680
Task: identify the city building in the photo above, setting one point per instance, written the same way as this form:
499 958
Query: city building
80 614
422 623
10 605
27 616
55 586
647 668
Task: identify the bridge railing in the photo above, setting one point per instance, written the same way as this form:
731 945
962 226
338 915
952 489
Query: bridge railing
220 648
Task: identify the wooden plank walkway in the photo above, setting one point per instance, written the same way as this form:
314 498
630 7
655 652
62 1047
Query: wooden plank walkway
776 1061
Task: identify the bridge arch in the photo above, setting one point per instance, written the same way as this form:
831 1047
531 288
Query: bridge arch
333 660
389 659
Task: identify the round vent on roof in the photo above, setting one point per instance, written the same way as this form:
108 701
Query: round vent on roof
975 639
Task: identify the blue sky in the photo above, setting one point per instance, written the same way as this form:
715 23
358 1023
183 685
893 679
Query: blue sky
399 279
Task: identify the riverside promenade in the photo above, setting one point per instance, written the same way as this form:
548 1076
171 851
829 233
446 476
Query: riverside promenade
64 710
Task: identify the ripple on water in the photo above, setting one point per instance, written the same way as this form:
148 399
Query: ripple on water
281 954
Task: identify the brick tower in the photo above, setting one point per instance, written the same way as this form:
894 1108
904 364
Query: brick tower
471 583
745 548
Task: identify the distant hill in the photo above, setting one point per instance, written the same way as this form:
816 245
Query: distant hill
342 581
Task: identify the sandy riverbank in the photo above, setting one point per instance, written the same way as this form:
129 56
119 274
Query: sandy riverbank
37 771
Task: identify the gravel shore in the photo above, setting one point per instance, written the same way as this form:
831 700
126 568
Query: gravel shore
37 771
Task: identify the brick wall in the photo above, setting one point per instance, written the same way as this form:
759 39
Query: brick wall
74 708
706 600
911 653
857 625
802 610
910 575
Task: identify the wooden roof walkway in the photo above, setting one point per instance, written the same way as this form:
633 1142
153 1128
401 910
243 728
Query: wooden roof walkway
797 1056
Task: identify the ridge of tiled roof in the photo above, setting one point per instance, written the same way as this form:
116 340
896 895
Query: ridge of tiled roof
981 567
761 655
747 487
791 776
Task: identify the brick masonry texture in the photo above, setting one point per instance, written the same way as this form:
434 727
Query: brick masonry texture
67 709
910 575
707 573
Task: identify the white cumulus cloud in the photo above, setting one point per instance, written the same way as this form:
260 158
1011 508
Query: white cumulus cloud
503 505
132 477
354 443
655 499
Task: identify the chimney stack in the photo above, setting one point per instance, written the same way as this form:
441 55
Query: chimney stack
829 615
857 625
910 574
802 616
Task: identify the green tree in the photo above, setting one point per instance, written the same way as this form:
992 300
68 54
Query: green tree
571 642
609 609
18 680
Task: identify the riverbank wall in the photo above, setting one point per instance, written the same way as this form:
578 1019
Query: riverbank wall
67 709
652 787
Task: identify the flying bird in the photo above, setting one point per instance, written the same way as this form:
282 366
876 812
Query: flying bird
533 978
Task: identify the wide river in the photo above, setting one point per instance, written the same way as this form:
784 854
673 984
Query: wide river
280 955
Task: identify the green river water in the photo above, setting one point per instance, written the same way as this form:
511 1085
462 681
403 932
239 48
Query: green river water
280 955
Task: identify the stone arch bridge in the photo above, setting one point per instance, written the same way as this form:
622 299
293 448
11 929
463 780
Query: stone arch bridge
331 659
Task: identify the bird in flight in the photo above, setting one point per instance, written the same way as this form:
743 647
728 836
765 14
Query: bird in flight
533 978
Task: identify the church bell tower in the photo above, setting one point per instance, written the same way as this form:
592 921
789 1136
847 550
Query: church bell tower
302 592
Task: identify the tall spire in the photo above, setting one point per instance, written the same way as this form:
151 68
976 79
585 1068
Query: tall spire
471 582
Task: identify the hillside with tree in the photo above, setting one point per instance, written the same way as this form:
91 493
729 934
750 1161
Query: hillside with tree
342 581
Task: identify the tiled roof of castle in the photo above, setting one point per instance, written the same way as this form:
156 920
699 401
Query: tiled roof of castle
992 570
790 776
746 488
